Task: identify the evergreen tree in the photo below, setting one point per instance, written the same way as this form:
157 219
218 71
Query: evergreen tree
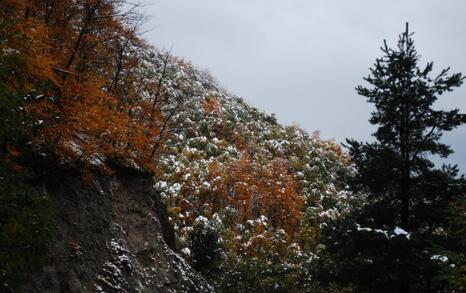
205 246
389 246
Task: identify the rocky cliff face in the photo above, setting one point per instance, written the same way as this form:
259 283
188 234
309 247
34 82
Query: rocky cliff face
111 235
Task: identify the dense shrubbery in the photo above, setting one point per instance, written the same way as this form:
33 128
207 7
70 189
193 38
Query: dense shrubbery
23 209
205 247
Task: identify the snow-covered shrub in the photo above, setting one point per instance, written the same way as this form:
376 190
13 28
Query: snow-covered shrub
204 244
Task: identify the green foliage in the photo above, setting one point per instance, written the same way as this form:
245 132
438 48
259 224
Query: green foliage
392 243
257 275
453 271
11 104
23 222
23 226
253 274
205 247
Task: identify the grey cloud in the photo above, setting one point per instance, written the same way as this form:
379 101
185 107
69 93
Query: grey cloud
301 59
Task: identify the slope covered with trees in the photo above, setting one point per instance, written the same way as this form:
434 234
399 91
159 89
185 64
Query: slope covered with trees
262 191
80 90
255 206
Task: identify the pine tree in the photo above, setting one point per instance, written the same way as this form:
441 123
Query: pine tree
388 246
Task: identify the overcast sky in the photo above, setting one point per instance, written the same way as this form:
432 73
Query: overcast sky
302 59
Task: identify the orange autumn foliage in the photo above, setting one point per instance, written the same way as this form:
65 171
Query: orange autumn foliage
211 105
80 79
26 38
260 190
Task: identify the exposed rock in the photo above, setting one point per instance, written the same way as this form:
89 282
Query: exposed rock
109 238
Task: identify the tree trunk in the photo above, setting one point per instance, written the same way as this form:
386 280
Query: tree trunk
405 179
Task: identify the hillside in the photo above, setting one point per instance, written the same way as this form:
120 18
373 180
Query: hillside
101 132
124 168
264 188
